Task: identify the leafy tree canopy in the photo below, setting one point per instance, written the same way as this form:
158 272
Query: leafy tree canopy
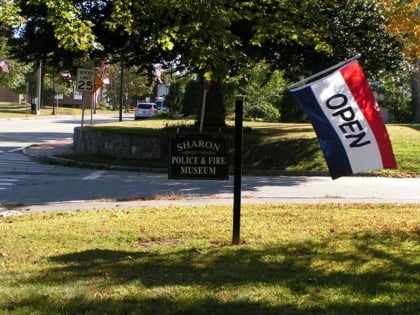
295 36
404 21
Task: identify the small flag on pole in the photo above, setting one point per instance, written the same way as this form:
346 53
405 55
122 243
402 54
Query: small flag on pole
4 66
348 122
66 75
103 68
158 74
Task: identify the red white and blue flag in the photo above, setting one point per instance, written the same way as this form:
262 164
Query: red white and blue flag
104 65
4 66
348 122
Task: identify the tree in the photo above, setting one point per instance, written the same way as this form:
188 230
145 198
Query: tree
404 21
16 78
174 98
298 37
191 95
263 88
9 15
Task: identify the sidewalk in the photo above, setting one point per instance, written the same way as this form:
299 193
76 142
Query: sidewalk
55 152
50 150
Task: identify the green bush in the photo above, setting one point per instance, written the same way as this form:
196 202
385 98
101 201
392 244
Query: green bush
264 110
290 110
192 98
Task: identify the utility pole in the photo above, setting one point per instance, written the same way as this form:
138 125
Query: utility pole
121 88
39 89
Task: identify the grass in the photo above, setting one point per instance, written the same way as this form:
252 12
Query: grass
295 259
266 146
283 146
14 110
406 145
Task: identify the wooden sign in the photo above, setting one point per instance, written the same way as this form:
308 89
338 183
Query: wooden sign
198 156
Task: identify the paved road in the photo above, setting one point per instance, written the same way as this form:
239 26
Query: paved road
39 186
27 184
18 133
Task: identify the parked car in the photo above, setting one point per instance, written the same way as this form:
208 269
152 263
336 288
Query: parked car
160 103
145 110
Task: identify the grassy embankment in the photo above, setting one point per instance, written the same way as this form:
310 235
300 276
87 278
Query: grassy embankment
267 146
295 259
13 110
285 146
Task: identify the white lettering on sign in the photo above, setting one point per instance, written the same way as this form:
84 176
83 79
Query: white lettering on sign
198 156
184 159
195 160
198 144
198 170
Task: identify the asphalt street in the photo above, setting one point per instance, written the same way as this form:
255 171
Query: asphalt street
137 189
41 186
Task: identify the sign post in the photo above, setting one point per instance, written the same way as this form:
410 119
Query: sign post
203 156
85 83
239 106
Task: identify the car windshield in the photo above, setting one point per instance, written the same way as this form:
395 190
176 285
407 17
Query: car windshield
144 106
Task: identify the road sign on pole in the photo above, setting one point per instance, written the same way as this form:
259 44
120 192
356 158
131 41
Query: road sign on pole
85 80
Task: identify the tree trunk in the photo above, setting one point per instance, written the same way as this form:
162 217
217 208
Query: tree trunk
215 111
415 88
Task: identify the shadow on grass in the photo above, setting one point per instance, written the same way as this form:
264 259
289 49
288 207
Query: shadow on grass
370 278
283 155
170 306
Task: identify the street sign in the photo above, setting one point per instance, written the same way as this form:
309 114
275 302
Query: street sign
98 83
85 80
198 156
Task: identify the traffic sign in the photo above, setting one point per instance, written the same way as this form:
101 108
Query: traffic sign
85 80
98 82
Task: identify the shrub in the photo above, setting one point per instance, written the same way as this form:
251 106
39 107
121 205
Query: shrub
264 110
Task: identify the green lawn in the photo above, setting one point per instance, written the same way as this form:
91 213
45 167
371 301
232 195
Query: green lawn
266 146
14 110
294 259
283 146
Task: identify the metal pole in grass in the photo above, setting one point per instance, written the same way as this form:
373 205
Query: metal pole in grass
121 90
239 108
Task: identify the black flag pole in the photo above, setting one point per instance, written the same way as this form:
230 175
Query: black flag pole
237 187
303 81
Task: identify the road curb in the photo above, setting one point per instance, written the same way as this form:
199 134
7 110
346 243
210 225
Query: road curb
53 157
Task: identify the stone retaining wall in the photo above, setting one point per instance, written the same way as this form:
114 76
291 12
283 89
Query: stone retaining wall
124 146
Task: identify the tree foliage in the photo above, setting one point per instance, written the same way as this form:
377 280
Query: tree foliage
291 35
404 21
10 14
18 73
297 37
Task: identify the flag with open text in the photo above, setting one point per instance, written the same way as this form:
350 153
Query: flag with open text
348 122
